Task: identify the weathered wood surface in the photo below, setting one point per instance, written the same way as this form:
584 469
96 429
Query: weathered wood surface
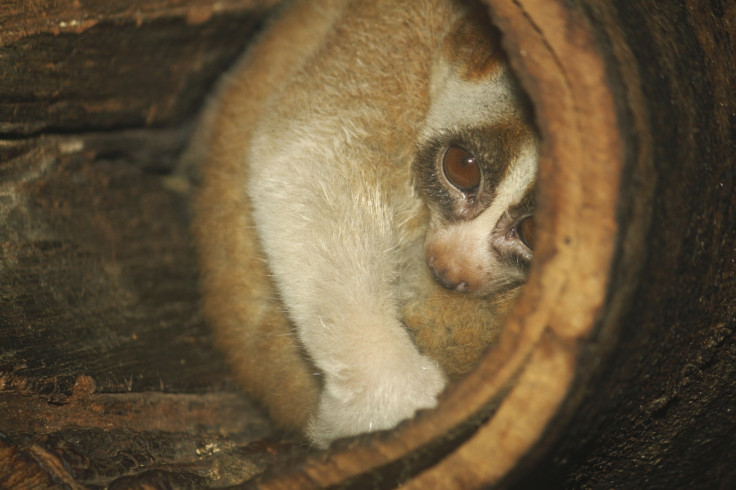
98 439
70 65
660 410
615 370
108 375
106 368
97 270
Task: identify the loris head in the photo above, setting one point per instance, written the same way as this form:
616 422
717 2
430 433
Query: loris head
476 166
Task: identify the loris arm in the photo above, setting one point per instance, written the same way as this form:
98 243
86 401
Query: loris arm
330 231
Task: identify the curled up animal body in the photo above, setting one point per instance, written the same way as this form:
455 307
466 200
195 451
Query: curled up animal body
366 208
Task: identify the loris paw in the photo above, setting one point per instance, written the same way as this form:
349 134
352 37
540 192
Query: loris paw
375 396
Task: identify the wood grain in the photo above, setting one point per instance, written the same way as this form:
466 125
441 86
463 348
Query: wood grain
73 66
615 369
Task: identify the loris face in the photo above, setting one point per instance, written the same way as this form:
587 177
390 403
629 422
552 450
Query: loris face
476 168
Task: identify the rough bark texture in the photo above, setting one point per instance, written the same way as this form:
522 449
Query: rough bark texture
615 370
71 66
660 411
108 375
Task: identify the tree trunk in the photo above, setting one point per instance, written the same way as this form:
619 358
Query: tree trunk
614 370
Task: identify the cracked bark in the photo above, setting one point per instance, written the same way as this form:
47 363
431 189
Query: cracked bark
615 370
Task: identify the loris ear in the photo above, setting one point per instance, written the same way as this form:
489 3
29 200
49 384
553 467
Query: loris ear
473 46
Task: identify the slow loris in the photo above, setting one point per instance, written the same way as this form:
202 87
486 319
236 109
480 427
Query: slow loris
366 208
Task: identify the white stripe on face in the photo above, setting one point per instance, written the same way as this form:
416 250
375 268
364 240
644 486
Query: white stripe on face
457 102
466 254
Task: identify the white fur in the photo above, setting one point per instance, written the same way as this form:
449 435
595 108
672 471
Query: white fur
337 276
470 240
509 192
460 102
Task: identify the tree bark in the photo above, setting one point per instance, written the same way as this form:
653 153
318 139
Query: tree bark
100 65
108 375
614 370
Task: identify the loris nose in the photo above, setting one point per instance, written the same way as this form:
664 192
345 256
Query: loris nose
450 275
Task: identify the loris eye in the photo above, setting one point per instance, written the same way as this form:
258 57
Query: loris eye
461 169
527 231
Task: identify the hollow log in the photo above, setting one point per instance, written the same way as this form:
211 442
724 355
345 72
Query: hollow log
614 370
